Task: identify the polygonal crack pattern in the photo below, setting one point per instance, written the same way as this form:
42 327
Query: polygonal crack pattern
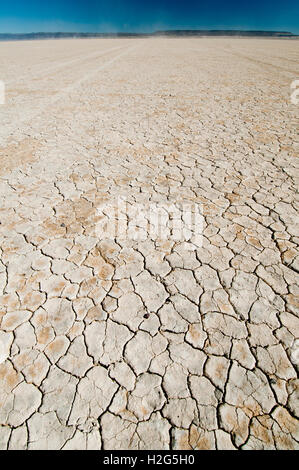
111 343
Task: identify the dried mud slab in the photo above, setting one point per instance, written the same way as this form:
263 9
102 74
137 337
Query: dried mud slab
113 342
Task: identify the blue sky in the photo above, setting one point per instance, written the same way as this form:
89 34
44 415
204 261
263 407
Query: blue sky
146 15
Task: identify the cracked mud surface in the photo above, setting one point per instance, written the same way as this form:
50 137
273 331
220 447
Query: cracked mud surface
123 344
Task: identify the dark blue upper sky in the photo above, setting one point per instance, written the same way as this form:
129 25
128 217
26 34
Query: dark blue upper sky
147 15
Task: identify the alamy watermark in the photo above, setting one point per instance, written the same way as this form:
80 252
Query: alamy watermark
295 94
178 222
295 352
2 92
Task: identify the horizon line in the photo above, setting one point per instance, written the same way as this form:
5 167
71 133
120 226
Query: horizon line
264 31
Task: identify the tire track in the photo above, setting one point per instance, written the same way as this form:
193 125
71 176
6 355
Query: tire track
62 65
8 128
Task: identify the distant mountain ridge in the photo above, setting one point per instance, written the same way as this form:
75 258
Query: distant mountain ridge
171 32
